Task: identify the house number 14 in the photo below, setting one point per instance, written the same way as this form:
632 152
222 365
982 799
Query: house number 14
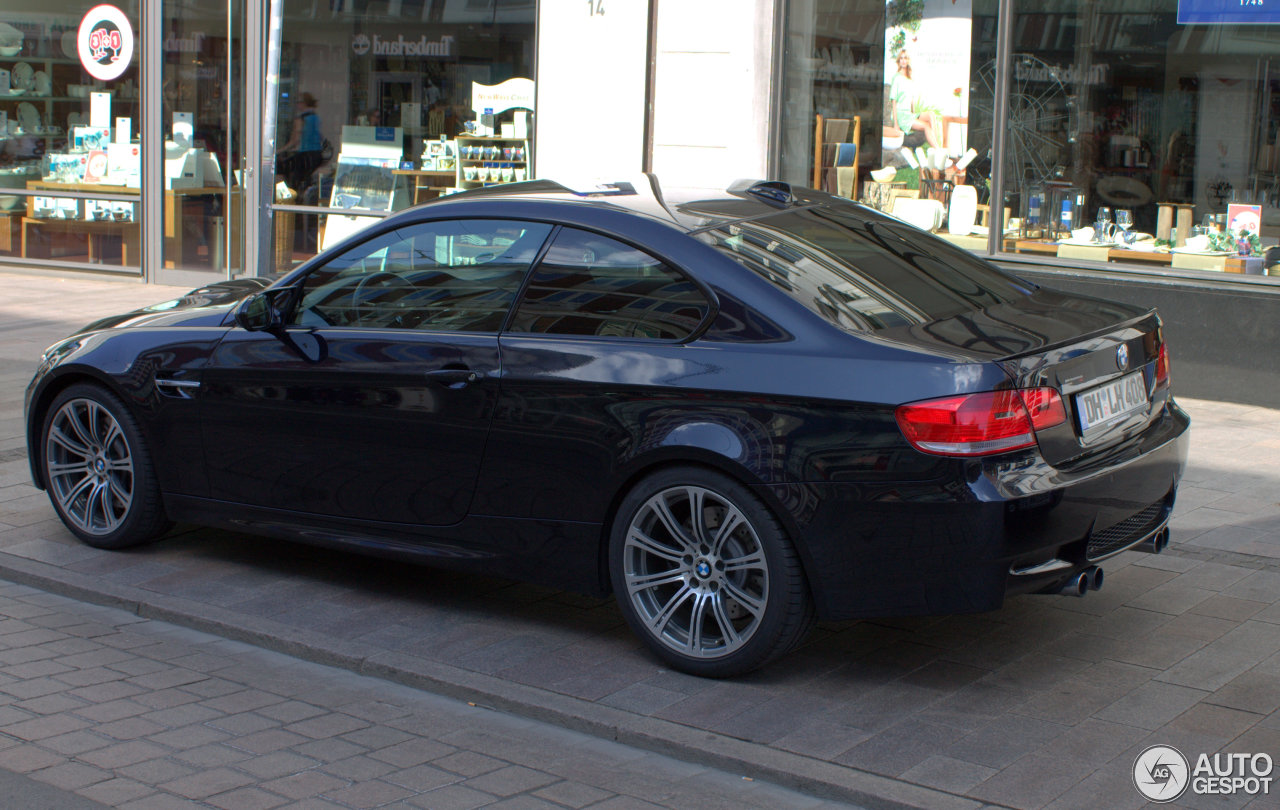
595 8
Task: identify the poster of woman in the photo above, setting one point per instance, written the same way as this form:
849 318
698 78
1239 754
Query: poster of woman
927 53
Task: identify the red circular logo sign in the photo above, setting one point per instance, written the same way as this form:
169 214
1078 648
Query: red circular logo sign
104 42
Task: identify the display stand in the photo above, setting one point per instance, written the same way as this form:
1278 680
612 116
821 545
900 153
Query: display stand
364 178
835 160
497 152
489 161
122 226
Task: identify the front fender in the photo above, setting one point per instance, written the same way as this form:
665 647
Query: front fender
127 363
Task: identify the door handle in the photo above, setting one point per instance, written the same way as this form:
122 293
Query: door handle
453 377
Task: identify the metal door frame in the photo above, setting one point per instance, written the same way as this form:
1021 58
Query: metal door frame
247 24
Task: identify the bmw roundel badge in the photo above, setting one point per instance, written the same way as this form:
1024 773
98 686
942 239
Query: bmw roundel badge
1122 357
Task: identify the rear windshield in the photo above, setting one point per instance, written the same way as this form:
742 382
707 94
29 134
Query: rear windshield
864 272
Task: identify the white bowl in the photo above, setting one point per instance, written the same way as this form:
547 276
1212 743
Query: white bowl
884 175
10 50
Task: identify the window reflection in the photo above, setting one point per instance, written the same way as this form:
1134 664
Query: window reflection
388 87
457 276
589 284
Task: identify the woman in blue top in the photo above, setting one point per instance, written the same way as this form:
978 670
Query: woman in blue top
308 142
902 91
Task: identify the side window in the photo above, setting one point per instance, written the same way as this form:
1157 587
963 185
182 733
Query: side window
589 284
453 275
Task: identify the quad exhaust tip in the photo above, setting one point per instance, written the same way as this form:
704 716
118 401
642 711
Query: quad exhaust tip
1090 579
1157 543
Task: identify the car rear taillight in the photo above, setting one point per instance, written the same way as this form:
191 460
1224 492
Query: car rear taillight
980 424
1162 366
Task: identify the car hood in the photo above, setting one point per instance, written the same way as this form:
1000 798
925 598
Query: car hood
1037 322
204 306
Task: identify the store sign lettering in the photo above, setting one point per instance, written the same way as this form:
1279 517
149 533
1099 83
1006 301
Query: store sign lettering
1095 74
191 44
1229 12
361 44
510 94
104 42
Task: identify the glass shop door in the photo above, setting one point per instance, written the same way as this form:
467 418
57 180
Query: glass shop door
202 118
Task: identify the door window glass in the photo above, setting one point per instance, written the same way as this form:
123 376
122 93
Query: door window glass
589 284
455 275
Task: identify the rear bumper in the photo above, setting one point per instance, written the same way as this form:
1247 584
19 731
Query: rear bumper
951 546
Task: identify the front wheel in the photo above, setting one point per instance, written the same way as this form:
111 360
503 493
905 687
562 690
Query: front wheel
98 471
705 574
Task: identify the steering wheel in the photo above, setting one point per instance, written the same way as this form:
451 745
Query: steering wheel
379 281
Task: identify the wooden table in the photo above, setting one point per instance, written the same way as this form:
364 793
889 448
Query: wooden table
96 232
1035 246
175 220
432 187
1148 256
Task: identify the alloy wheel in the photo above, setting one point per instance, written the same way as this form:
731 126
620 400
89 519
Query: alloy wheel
695 572
89 466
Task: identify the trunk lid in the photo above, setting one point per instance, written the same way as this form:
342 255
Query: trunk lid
1100 356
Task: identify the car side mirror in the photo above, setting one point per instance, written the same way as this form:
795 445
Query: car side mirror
264 311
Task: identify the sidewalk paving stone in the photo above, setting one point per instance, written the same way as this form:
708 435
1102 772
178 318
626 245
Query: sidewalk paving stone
194 761
1000 707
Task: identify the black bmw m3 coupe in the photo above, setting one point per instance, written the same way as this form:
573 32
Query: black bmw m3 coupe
735 410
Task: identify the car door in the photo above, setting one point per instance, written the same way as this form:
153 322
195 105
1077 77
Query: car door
594 352
374 401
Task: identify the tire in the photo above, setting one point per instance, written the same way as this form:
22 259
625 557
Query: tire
98 470
718 597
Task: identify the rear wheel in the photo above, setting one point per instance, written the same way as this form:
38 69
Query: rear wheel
98 470
705 574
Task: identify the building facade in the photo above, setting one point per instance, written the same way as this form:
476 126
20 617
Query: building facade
192 141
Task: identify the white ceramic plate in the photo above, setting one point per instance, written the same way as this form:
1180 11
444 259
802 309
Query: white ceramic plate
28 117
23 76
69 44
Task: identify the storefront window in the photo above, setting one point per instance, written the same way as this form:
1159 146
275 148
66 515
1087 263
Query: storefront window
70 158
881 105
1137 139
1129 138
383 105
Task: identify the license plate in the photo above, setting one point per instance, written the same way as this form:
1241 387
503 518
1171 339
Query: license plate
1111 401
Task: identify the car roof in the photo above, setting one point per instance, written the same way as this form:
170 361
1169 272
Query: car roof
685 207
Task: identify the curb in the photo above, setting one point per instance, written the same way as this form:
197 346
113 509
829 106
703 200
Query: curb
820 779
